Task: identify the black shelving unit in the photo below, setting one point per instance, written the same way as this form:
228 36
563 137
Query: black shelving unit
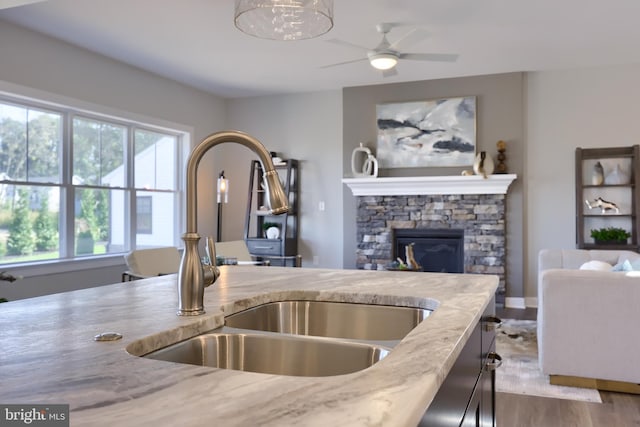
625 195
282 251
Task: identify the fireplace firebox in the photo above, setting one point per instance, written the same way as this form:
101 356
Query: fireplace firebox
436 250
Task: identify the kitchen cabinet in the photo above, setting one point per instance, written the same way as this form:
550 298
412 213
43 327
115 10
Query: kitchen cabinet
603 176
467 396
280 248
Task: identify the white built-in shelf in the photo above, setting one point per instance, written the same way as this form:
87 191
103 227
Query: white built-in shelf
425 185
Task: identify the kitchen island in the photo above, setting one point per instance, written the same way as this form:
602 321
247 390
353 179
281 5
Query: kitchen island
49 355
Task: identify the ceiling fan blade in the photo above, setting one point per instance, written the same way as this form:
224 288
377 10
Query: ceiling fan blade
6 4
440 57
390 72
412 37
347 44
344 63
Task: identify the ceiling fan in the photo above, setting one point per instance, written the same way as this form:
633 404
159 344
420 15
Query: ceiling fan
386 55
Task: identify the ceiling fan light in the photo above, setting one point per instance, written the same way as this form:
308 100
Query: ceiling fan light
284 19
383 61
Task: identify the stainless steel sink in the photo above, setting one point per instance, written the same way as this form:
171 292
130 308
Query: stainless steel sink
331 319
299 338
273 354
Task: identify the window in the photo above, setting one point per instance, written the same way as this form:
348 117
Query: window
74 184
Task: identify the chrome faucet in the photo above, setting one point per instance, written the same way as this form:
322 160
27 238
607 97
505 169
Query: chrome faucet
192 276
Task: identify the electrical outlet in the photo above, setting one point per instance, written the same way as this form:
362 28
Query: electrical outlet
321 205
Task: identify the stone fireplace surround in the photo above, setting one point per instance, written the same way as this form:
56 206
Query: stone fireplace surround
471 203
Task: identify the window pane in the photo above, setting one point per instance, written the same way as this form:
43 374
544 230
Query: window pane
144 212
29 218
98 153
30 144
99 221
13 142
44 140
156 213
155 160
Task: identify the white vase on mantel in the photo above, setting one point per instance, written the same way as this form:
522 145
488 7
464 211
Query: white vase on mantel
483 165
363 163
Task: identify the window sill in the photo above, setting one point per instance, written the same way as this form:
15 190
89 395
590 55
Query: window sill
63 266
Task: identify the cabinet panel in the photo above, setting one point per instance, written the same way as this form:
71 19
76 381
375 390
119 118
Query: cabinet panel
456 395
264 246
467 396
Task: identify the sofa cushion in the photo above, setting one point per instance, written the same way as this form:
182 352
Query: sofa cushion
596 265
632 257
574 258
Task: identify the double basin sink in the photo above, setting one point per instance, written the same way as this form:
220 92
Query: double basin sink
299 338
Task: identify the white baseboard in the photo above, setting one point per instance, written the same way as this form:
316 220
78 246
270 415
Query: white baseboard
510 302
519 302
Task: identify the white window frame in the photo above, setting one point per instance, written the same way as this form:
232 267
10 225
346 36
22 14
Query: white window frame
70 108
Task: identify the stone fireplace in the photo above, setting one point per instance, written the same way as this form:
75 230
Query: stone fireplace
472 207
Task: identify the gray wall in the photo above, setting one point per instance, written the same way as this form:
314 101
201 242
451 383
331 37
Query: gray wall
307 127
566 109
500 116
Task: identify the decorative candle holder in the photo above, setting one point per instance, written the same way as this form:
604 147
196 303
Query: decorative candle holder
501 167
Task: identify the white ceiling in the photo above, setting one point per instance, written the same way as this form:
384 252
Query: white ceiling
195 41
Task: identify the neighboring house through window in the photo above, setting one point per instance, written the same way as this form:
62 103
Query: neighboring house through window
144 213
74 184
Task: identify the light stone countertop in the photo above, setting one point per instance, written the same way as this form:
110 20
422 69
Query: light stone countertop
48 354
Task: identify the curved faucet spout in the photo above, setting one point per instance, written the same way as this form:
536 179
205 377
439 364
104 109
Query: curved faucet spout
192 278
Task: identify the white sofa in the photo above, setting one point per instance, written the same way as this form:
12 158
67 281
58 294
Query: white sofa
588 321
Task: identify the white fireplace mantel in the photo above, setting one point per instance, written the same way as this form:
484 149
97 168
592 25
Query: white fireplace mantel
427 185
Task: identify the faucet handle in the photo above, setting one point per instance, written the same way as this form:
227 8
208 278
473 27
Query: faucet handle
211 271
210 248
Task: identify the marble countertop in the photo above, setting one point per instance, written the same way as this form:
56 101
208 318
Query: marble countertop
48 354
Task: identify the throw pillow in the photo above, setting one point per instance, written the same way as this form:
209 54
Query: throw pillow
627 265
622 266
596 265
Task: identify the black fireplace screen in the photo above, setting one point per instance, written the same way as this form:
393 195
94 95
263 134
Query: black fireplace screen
436 250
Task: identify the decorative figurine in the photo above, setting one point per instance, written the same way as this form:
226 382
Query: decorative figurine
603 205
501 167
411 260
483 164
617 177
598 174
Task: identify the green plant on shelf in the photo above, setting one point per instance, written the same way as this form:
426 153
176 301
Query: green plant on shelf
610 235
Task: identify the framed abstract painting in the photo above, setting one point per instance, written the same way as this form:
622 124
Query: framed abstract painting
438 132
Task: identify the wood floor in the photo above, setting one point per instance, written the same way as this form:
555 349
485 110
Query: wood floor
512 410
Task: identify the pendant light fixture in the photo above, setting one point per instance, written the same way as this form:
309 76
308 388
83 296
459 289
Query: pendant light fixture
223 189
222 197
284 19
